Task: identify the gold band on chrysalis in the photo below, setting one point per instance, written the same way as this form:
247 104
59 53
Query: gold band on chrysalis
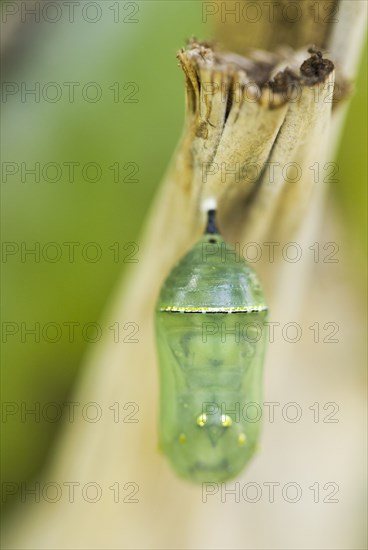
243 309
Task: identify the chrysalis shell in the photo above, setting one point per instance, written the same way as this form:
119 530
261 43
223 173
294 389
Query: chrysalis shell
211 340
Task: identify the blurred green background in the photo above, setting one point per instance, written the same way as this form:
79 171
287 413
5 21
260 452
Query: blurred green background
137 50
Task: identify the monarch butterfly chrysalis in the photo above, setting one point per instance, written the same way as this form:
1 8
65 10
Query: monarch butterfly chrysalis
211 349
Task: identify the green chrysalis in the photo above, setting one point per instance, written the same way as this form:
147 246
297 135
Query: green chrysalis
209 320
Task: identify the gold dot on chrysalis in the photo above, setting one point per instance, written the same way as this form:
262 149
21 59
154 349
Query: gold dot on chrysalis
182 439
201 420
242 439
226 420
